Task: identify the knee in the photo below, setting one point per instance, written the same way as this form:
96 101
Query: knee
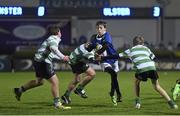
91 75
156 87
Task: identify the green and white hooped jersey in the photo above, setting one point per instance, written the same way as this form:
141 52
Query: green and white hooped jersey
142 58
44 53
79 54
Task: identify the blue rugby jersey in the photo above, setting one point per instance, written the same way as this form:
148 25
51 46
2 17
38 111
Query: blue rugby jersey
105 39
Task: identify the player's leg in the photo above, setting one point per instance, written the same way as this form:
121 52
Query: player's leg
66 97
176 90
138 78
40 71
137 93
55 92
77 69
110 71
29 85
117 88
163 93
90 74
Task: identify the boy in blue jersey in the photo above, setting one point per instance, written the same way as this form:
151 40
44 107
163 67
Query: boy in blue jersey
110 66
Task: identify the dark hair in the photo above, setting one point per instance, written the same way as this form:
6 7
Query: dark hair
138 40
53 29
101 23
89 46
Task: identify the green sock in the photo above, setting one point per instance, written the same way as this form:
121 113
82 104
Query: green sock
56 100
80 87
137 100
67 93
171 103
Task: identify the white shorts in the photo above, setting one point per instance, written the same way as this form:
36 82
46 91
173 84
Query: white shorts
114 66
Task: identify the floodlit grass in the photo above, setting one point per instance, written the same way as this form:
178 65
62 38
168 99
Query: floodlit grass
38 101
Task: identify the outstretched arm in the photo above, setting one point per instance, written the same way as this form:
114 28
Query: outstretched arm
59 55
116 56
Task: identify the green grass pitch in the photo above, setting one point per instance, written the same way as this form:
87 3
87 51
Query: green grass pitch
38 101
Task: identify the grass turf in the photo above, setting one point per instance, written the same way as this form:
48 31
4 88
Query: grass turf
38 101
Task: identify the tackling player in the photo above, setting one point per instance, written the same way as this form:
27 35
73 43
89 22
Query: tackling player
44 68
78 62
142 58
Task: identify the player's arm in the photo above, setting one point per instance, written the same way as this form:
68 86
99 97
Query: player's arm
91 58
58 54
101 49
152 56
117 56
106 41
104 47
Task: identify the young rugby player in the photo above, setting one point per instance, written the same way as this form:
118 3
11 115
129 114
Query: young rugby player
78 61
111 65
142 58
44 68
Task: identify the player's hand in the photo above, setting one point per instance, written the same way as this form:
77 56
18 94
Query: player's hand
98 57
66 58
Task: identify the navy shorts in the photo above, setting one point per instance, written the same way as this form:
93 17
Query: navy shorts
152 74
79 68
43 69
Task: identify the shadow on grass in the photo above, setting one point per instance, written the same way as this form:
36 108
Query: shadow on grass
41 103
8 107
170 112
153 98
90 105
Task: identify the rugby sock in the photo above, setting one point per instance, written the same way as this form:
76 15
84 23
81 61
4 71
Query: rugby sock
171 103
67 93
137 100
80 87
22 89
56 100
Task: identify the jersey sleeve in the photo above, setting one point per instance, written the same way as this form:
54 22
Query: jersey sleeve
89 55
105 42
107 38
52 42
126 53
53 45
152 56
